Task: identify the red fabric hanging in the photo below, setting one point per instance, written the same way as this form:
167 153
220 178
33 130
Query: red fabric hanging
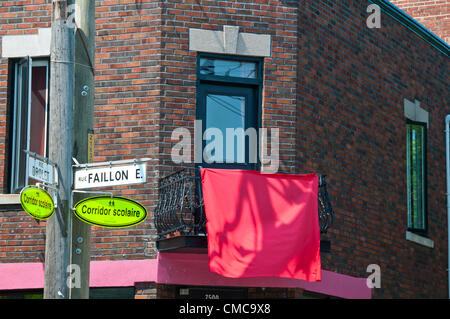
262 225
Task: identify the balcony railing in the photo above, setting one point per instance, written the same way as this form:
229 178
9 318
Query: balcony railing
180 210
180 206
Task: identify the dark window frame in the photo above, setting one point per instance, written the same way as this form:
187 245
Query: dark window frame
12 113
256 84
424 230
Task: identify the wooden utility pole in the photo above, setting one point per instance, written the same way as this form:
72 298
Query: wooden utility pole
83 133
57 246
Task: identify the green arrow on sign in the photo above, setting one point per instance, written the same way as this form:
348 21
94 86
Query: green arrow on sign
37 202
110 211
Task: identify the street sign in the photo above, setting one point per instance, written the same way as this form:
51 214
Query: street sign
40 170
110 211
87 177
37 202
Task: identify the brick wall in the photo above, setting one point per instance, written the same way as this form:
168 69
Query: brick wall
22 239
178 65
127 91
351 126
125 117
16 18
433 14
332 86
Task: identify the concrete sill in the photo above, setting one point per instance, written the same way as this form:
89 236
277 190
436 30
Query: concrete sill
419 239
9 199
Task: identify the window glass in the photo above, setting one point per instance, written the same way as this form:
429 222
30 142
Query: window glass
416 176
38 121
232 68
222 112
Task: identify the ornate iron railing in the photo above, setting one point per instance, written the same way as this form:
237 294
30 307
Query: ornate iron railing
180 206
326 212
180 209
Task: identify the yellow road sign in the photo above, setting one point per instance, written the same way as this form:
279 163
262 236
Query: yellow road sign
37 202
110 212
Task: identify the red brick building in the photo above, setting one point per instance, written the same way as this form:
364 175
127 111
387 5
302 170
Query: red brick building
434 15
364 106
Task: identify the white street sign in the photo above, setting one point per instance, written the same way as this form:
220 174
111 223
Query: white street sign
110 176
41 170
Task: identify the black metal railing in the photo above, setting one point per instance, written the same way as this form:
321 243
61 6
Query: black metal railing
180 205
326 212
180 209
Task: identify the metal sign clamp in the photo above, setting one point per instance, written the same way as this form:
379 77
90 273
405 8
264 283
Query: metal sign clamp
114 163
87 192
55 194
42 158
46 185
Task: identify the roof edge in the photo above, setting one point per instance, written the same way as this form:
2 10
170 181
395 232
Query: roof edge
413 25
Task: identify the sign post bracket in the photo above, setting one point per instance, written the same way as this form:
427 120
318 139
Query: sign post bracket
55 198
87 192
44 159
114 163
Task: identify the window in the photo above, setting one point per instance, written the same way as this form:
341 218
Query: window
29 117
21 294
416 175
228 105
94 293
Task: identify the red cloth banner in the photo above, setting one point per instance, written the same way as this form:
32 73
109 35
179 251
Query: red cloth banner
262 225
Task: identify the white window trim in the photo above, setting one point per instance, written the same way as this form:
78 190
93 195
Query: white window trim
33 45
415 113
419 239
230 41
9 199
